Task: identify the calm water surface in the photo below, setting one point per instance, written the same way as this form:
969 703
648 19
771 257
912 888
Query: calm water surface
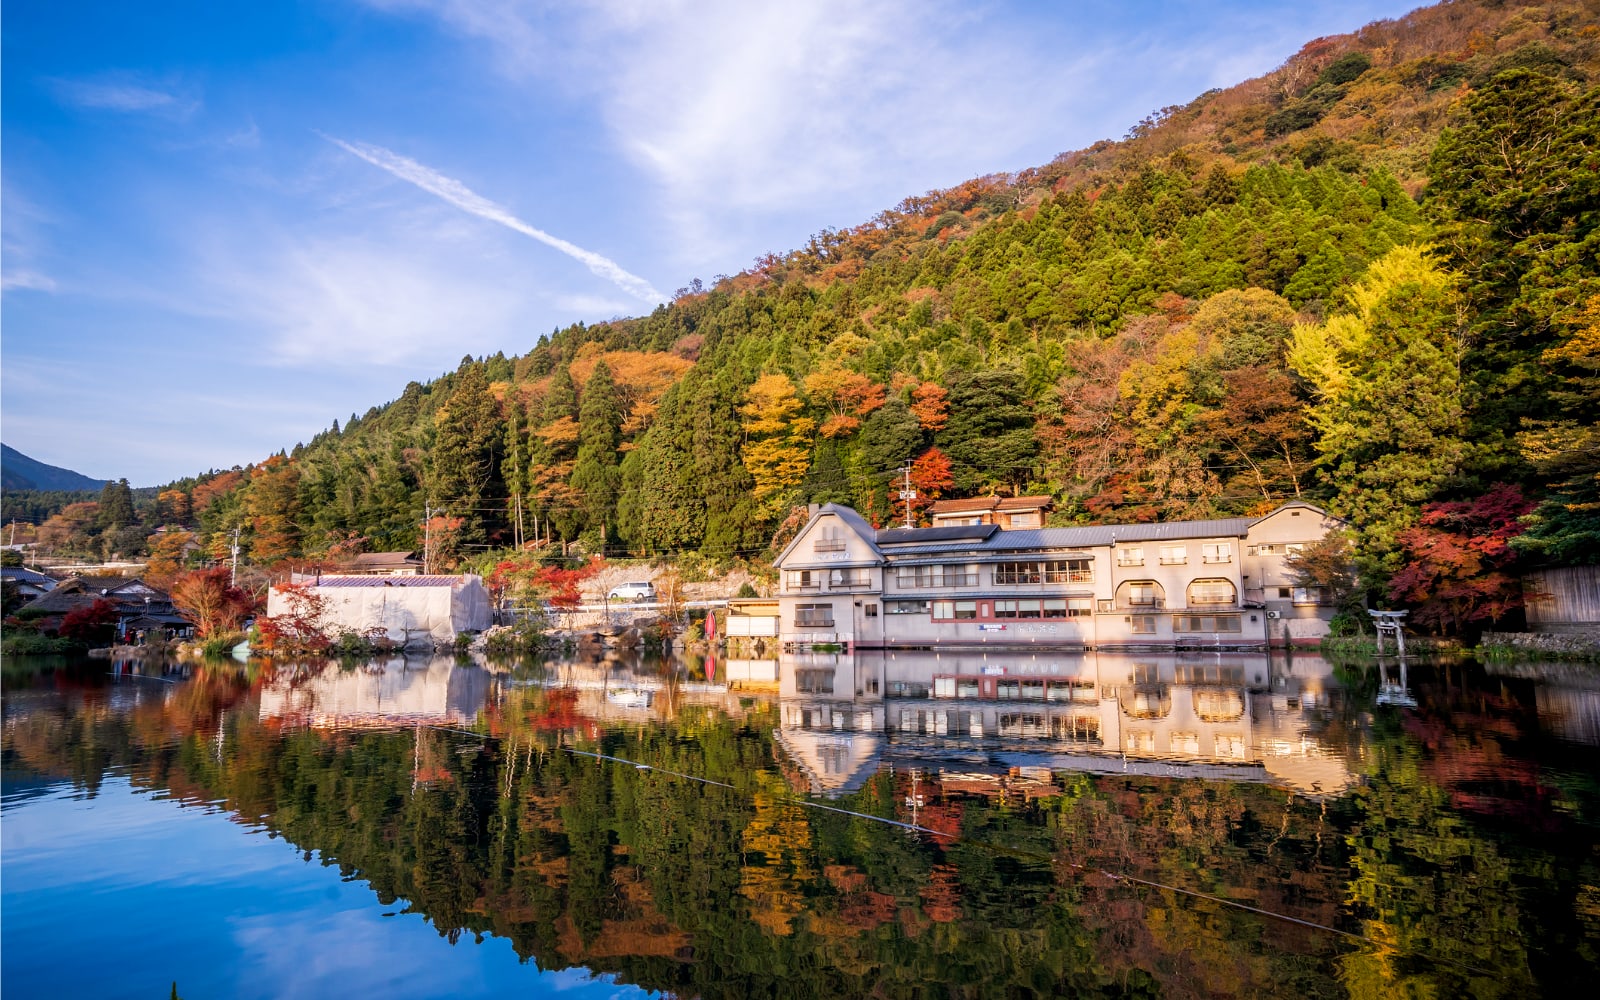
894 825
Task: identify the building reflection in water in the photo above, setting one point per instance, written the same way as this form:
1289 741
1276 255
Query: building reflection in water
1231 716
427 690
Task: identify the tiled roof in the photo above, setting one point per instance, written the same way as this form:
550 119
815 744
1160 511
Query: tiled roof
959 506
1023 503
387 559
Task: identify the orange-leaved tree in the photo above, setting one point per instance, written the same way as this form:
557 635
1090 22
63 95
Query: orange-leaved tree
301 628
207 599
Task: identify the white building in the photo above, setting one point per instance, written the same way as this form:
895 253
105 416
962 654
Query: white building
1221 582
411 610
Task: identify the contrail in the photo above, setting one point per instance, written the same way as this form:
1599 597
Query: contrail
467 200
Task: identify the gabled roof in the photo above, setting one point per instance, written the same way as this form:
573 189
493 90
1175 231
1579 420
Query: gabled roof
976 504
858 524
1303 505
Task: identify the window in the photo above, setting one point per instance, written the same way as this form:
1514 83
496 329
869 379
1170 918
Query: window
1055 607
1016 572
1005 609
1231 745
1211 592
906 607
813 616
871 610
1028 609
1131 556
804 579
954 610
1069 571
846 579
960 576
1187 743
830 540
1140 740
1205 623
1310 595
1079 607
1267 549
1141 593
936 576
1174 555
944 687
1284 592
1216 552
1028 520
1143 624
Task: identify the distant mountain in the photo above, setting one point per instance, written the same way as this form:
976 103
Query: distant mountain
19 472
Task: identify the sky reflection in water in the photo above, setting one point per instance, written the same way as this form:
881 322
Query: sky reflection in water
1291 788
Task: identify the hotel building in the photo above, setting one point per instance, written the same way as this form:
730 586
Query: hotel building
1179 583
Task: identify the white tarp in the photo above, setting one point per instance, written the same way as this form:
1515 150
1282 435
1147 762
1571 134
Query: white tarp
432 609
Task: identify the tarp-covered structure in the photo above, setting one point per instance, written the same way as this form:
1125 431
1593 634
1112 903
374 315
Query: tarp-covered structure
412 610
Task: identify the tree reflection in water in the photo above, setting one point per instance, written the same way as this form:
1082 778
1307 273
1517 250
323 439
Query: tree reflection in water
1461 844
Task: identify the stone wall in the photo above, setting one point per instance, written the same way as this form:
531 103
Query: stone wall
1551 643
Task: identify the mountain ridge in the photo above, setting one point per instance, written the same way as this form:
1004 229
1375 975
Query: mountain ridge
24 473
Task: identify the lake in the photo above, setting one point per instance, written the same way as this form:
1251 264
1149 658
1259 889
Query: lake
895 824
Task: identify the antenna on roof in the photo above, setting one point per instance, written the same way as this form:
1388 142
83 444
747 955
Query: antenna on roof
907 493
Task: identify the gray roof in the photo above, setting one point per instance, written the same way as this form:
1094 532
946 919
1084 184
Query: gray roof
1037 539
23 575
971 533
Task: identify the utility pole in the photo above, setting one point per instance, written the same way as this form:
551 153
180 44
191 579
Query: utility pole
427 517
233 573
907 493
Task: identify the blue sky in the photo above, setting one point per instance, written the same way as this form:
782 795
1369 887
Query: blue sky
227 225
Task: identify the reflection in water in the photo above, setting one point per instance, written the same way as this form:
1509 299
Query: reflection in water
1235 716
678 848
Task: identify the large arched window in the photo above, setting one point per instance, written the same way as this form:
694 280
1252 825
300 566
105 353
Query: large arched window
1140 594
1213 593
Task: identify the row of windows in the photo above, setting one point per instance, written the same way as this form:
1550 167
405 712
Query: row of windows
1176 555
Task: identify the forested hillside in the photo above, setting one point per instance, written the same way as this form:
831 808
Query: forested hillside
1367 279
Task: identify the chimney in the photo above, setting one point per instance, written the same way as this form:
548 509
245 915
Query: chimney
811 511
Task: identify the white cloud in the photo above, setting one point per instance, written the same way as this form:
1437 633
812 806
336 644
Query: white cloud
355 302
23 278
464 198
127 96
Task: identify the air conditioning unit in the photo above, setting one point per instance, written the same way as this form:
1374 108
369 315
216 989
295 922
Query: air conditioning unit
1273 616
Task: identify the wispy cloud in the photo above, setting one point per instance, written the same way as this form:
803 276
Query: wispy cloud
126 96
464 198
26 279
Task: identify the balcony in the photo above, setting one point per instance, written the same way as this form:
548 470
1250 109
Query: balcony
852 583
828 545
1126 561
1174 560
1107 605
1217 560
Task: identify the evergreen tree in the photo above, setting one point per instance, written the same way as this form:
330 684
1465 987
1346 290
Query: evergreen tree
116 505
467 455
890 437
989 437
596 477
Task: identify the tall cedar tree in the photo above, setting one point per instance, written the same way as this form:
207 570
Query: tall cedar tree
596 477
989 435
467 455
1518 188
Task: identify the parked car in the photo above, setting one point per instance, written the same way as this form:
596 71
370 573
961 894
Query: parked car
640 591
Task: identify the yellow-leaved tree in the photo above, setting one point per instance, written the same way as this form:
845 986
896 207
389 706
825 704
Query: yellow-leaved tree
1386 376
777 445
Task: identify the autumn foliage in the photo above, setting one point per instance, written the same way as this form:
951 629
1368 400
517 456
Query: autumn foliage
206 598
301 628
1459 559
